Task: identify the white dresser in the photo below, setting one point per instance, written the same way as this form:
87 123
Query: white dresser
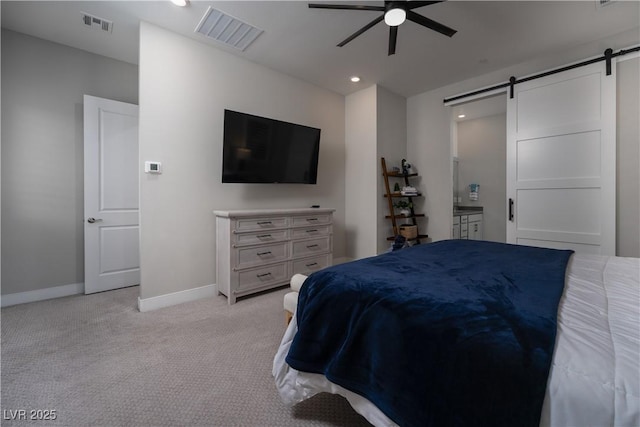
262 249
467 226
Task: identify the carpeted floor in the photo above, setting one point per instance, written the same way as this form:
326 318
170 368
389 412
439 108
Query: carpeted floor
97 361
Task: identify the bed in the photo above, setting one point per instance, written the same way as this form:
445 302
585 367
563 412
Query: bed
578 365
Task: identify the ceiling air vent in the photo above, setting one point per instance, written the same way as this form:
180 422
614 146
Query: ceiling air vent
96 23
602 3
226 29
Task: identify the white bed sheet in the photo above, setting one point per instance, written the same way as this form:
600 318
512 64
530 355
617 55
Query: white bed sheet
595 373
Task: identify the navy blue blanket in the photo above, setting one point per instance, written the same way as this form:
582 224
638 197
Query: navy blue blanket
453 333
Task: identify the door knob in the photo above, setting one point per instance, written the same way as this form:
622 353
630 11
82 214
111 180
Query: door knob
92 220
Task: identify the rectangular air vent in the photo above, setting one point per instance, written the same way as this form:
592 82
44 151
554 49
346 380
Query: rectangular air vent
602 3
226 29
96 23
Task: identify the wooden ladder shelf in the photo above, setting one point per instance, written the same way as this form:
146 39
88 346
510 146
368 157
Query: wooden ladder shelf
391 195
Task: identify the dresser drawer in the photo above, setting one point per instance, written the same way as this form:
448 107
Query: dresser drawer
309 265
251 224
307 232
463 219
475 217
260 237
312 246
256 255
298 221
262 276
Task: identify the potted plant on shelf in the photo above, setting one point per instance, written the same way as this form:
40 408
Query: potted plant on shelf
404 207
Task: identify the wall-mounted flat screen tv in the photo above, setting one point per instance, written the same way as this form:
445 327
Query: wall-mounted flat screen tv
261 150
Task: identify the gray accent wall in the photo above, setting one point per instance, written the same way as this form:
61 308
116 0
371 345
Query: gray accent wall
184 88
42 155
482 159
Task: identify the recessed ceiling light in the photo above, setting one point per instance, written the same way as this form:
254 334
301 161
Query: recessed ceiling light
180 3
354 79
461 116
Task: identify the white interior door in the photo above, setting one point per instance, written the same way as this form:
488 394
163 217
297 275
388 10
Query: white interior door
111 217
561 161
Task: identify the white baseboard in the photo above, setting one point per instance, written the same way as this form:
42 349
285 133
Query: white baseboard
41 294
174 298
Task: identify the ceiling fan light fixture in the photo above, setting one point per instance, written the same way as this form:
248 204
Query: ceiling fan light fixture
394 13
395 17
180 3
354 79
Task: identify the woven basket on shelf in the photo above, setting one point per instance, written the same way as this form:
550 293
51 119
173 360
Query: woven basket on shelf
409 231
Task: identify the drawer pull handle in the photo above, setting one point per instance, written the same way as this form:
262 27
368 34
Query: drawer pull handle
312 219
312 246
264 222
312 231
263 236
260 276
311 264
264 253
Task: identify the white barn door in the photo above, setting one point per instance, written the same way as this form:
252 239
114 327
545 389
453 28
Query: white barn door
111 220
561 161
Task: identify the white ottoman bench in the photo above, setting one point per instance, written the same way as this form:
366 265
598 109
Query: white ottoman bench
291 299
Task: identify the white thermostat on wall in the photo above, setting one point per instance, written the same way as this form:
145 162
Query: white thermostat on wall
153 167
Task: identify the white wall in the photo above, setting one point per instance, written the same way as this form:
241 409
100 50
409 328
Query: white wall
361 138
42 156
429 128
429 151
392 145
184 88
375 128
628 159
482 159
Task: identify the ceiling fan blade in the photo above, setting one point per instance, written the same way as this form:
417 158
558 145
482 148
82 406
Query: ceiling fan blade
361 30
426 22
393 36
345 6
416 4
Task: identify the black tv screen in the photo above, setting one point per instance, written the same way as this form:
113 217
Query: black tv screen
261 150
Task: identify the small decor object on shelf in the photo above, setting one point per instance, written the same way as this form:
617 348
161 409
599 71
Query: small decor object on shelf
396 187
409 191
406 167
404 206
399 243
473 191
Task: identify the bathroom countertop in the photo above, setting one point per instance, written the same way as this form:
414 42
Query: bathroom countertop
467 210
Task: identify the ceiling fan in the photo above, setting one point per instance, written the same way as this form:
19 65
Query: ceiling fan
395 13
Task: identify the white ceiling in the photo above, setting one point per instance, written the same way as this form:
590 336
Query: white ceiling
301 42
